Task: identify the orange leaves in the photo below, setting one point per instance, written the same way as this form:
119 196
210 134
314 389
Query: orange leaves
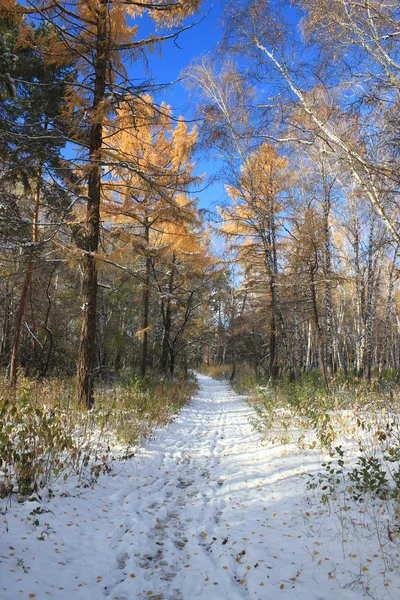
175 15
145 195
11 11
256 202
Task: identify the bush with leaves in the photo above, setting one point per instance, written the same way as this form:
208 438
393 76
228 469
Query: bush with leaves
33 445
46 435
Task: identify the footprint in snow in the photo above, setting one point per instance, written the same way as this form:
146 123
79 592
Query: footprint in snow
184 484
122 560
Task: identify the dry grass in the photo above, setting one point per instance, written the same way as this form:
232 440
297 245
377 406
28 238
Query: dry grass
46 435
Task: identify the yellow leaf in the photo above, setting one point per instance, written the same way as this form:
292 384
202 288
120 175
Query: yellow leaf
203 534
282 586
364 569
132 576
241 581
315 553
32 595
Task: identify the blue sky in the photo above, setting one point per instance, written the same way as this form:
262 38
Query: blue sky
167 68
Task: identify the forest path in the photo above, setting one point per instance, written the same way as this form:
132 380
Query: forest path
205 511
201 518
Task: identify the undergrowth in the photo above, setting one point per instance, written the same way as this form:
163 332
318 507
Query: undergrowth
355 426
46 436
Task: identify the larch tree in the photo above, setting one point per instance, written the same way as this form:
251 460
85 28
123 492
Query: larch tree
147 191
99 37
252 219
183 277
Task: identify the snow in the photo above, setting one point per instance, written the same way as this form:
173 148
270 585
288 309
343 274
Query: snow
206 510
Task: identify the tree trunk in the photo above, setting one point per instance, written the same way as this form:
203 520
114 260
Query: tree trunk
328 273
90 242
273 371
308 351
27 283
358 296
318 328
171 362
297 344
18 324
219 336
167 317
145 309
367 359
383 359
6 343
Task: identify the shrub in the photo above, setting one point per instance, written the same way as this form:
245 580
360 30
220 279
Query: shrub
45 435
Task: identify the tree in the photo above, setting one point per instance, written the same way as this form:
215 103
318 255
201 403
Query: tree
252 217
31 142
97 37
147 191
263 34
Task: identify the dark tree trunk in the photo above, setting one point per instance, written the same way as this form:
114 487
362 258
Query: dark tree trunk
219 336
91 234
273 370
167 318
145 319
318 328
145 309
171 362
27 284
166 337
18 324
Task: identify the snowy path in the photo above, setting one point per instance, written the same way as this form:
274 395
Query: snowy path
204 511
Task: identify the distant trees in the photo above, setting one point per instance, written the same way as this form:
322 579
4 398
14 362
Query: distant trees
319 91
151 176
251 222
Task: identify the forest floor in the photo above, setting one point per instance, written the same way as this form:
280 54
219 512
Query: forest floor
207 509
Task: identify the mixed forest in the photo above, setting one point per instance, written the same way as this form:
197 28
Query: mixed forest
126 267
107 263
109 270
